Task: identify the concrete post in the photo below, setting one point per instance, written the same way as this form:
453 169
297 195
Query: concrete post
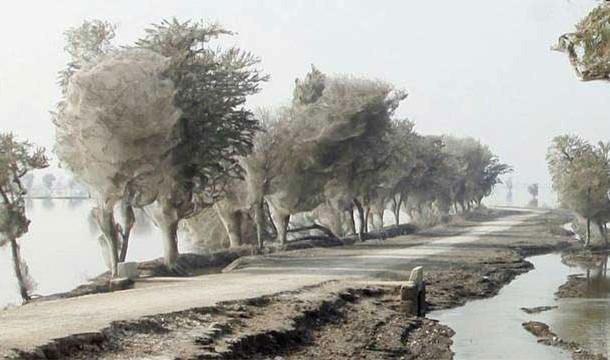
413 294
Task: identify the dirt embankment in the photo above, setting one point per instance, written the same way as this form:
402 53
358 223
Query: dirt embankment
548 337
333 321
336 320
326 322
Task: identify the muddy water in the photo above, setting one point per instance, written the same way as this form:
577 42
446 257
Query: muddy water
491 328
586 320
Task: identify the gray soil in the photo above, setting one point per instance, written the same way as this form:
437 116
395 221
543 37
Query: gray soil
547 337
339 319
538 309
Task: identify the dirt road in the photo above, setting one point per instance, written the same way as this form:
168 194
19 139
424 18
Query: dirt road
32 325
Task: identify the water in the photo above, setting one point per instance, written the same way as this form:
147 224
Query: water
62 250
587 321
491 328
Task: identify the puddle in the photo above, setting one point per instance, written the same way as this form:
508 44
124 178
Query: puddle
491 328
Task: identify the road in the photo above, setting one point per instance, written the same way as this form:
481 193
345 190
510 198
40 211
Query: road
36 324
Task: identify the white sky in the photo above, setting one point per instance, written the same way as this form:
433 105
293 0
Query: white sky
473 67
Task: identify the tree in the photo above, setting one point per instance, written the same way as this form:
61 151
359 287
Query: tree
17 159
113 133
214 130
581 177
297 159
368 106
479 170
399 175
85 44
588 47
533 191
48 180
509 190
263 167
588 50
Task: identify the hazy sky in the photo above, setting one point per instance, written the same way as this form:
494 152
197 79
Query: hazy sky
473 67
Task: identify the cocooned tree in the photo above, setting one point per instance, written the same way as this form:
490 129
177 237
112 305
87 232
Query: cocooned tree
581 177
297 160
578 168
17 159
215 128
113 132
588 47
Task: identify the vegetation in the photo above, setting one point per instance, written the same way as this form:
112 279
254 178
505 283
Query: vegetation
162 125
588 47
532 189
337 152
214 128
17 159
581 177
509 190
580 170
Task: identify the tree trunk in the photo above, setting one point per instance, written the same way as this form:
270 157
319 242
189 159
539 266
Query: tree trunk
170 243
259 221
280 220
603 233
367 213
479 201
234 229
588 236
130 220
352 219
167 220
108 226
23 288
360 210
397 206
282 229
231 220
381 219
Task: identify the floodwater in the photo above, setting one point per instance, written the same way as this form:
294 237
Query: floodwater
62 250
491 328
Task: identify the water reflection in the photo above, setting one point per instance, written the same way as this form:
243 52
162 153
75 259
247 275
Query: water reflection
598 284
48 203
491 328
587 320
75 203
